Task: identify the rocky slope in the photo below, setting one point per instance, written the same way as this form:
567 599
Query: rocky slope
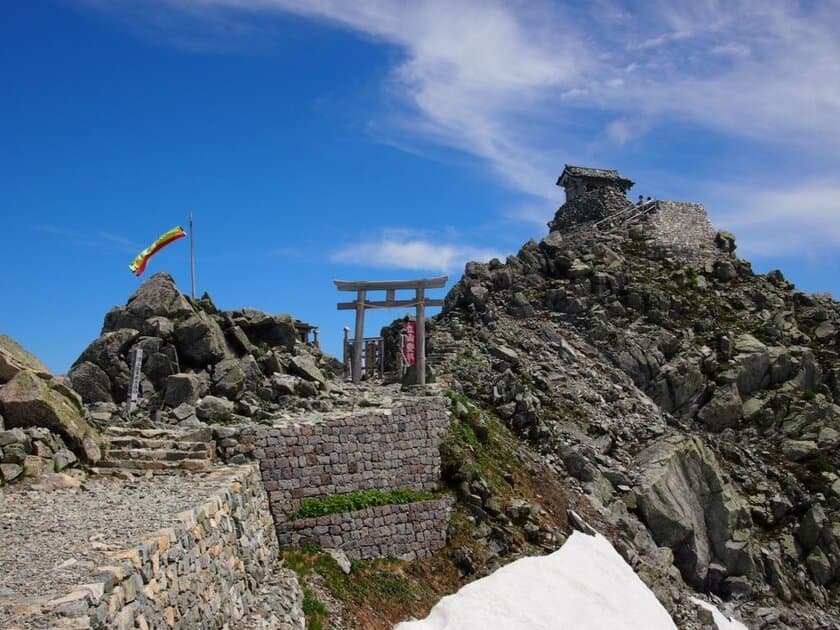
201 364
690 400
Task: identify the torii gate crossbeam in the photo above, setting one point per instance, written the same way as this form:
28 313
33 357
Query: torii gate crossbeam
420 302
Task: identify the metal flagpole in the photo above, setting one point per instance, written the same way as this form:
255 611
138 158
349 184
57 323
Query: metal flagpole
192 256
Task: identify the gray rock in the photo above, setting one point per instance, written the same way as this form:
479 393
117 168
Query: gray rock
798 450
91 382
14 358
811 526
304 366
819 566
10 472
723 411
157 296
341 559
27 400
180 389
284 384
825 332
62 459
183 412
228 379
688 507
503 353
110 353
200 341
213 409
752 363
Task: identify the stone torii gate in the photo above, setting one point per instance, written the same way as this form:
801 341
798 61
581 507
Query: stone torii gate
420 302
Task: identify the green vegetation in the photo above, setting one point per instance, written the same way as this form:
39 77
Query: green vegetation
384 585
359 500
315 611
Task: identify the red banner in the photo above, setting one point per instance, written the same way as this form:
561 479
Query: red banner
409 349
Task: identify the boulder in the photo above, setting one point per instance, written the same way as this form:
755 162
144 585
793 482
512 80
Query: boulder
687 505
284 384
752 361
723 411
157 296
27 400
199 341
228 379
14 358
213 409
110 353
180 389
91 382
304 366
271 330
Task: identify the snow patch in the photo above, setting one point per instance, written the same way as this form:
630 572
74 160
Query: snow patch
721 621
585 585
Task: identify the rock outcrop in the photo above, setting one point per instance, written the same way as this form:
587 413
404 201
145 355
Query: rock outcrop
692 401
192 352
43 425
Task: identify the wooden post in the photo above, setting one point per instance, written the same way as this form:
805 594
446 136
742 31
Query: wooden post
360 333
421 336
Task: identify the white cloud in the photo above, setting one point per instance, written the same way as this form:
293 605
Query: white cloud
523 86
405 249
802 219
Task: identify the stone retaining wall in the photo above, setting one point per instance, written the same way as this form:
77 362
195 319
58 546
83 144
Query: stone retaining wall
337 453
341 453
201 572
408 532
682 228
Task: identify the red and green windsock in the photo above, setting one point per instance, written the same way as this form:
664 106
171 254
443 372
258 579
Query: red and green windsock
139 264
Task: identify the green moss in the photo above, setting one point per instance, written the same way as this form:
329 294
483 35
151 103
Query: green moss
359 500
315 611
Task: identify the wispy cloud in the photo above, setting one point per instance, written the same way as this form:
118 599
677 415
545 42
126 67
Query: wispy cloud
81 239
407 249
525 86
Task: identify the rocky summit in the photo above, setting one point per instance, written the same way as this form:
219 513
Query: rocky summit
692 401
627 374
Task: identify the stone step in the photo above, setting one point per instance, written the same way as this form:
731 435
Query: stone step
156 454
172 445
144 464
189 435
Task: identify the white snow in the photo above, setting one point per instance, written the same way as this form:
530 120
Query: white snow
585 585
721 621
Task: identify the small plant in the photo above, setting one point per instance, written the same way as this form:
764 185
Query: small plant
809 394
315 611
359 500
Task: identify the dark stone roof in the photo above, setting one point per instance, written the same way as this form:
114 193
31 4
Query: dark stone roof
594 173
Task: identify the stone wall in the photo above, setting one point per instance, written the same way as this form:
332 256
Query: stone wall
408 532
201 572
682 228
339 453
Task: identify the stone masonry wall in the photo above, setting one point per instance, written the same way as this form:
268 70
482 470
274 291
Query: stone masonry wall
340 453
683 228
337 453
201 572
408 532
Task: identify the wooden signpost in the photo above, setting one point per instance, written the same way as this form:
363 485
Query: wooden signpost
420 302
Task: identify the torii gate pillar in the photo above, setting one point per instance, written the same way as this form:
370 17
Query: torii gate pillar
390 287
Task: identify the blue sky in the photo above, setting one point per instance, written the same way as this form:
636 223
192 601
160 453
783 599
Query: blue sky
385 139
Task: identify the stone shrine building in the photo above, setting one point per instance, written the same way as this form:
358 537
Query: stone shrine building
577 180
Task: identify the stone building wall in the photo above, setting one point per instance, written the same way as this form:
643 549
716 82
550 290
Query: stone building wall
201 572
408 532
681 227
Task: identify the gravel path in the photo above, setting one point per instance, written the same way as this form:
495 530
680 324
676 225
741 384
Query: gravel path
52 541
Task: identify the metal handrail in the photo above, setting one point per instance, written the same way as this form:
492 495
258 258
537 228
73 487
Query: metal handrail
639 211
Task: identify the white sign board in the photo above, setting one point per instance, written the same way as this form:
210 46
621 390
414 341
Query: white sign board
135 379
